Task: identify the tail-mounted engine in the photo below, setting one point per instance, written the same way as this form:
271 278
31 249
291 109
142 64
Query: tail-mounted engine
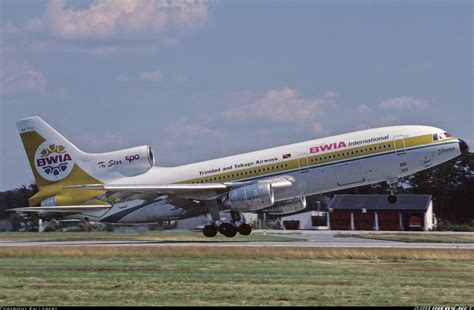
128 162
252 197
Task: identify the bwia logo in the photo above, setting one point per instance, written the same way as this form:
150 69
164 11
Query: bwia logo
327 147
53 162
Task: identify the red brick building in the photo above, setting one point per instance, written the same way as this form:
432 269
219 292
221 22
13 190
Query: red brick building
373 212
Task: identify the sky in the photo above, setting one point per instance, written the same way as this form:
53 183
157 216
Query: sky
198 80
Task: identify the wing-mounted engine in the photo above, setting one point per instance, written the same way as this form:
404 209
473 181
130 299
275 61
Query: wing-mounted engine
129 162
251 197
287 206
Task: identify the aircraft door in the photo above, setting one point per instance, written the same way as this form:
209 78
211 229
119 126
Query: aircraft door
399 143
400 152
303 163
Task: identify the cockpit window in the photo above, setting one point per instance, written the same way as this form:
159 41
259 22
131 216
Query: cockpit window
435 137
447 134
441 136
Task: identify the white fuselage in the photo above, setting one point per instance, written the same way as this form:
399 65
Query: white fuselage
317 166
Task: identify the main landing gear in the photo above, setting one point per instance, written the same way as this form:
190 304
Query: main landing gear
228 229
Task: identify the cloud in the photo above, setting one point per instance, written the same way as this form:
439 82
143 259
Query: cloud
182 127
147 76
93 48
381 121
402 104
283 105
363 108
122 78
18 79
49 46
151 76
115 18
317 128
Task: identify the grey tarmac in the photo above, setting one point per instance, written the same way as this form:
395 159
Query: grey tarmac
316 239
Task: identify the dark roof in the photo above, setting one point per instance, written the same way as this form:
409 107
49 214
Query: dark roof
379 202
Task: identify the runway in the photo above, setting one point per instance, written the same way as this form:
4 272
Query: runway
303 239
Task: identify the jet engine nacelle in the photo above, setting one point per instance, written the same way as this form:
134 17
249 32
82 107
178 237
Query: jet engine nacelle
129 162
288 206
252 197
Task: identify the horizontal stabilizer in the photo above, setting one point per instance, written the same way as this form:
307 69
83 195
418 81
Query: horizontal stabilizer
74 209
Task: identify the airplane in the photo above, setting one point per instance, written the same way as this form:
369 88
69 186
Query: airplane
125 186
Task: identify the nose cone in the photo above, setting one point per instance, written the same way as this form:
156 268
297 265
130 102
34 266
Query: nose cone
463 146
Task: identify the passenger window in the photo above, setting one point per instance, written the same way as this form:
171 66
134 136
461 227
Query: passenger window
435 137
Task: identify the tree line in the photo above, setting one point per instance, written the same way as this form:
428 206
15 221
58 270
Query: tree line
450 184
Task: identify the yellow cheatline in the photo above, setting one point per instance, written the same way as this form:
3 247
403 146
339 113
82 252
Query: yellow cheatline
68 196
314 160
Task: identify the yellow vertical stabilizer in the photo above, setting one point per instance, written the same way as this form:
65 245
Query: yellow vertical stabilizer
55 163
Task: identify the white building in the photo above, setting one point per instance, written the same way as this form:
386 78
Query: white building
307 220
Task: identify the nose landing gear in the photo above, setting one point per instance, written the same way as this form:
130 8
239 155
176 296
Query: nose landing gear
392 183
392 199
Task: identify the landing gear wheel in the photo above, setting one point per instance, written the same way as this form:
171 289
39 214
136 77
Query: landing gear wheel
392 199
227 230
210 231
245 229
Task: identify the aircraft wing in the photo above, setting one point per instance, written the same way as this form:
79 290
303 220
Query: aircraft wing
201 191
59 209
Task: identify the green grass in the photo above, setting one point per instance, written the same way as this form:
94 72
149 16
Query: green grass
195 276
407 237
162 235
